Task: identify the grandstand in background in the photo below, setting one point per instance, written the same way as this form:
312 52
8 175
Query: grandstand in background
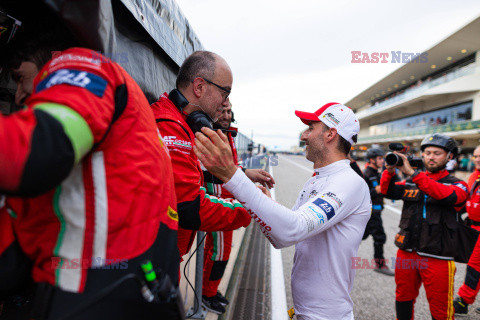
439 95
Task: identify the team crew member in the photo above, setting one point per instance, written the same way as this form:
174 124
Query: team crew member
469 290
84 219
431 201
218 244
473 204
203 85
354 165
375 224
328 220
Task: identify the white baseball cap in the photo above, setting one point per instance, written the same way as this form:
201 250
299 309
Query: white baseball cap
335 115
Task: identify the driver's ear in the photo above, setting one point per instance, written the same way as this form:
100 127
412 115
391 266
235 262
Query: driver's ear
331 132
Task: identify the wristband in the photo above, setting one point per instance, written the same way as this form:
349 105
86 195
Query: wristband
415 173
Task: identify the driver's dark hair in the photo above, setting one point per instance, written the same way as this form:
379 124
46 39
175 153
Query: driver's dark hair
41 33
36 48
198 64
343 145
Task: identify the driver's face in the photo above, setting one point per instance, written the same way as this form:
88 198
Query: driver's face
23 76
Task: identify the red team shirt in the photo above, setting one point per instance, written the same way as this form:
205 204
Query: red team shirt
112 203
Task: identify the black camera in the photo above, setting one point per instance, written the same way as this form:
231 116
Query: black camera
393 159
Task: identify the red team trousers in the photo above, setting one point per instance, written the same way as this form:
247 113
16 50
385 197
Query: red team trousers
437 277
217 252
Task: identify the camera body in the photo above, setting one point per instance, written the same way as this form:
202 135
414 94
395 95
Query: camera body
393 159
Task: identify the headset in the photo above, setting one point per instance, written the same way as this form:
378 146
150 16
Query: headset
195 120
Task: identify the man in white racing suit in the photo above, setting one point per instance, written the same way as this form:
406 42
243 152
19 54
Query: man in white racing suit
328 220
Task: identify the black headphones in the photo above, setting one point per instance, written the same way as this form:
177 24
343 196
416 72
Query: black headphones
195 120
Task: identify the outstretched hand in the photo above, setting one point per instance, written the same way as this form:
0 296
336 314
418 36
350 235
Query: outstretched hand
260 176
214 152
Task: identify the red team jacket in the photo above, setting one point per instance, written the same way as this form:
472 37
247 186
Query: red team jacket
196 209
111 204
473 203
430 204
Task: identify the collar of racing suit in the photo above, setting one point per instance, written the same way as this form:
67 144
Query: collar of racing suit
331 168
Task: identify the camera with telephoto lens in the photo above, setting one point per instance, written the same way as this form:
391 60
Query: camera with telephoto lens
393 159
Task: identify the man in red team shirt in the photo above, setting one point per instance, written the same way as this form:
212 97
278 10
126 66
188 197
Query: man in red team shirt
90 184
202 89
469 290
473 204
431 202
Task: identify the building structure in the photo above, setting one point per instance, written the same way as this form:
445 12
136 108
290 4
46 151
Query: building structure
437 91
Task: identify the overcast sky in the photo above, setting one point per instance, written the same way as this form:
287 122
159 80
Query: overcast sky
296 55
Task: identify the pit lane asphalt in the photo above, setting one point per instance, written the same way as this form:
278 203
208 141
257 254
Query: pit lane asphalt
373 294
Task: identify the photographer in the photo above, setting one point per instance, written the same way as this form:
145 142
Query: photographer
429 216
375 224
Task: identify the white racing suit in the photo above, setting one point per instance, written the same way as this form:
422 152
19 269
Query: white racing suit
326 225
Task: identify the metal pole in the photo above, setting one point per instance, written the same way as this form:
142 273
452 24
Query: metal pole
197 312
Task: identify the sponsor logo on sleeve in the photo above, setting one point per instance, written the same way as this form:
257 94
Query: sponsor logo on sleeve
318 213
326 207
312 194
93 83
333 197
313 216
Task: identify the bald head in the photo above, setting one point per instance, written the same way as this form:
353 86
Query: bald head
203 64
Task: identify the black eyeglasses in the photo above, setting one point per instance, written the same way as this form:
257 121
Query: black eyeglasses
219 87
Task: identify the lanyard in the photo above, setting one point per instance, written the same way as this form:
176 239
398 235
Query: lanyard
425 207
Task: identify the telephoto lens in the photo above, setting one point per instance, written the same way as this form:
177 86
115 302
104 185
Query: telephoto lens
393 159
